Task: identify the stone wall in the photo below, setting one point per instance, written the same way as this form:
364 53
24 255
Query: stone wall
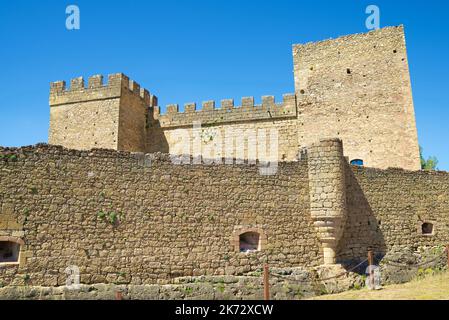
357 88
285 284
134 218
130 218
226 129
386 208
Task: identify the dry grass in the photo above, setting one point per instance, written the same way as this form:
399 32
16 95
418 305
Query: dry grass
435 287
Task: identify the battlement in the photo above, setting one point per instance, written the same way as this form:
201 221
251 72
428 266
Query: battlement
96 90
227 112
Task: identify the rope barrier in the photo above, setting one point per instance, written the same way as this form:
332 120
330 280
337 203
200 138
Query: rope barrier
370 261
325 279
395 264
289 277
346 272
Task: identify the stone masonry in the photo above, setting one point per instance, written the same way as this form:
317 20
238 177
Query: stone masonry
107 196
357 88
140 219
327 194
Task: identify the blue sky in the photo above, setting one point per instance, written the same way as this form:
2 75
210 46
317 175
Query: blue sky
190 51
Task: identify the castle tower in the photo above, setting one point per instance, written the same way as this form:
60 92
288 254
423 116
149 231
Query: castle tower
327 193
111 116
357 88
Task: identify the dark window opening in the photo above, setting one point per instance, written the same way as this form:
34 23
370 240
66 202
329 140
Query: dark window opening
249 241
348 71
427 228
9 251
357 162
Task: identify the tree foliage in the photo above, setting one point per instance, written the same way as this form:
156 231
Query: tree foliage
429 164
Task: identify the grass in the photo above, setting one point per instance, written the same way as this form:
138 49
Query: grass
432 287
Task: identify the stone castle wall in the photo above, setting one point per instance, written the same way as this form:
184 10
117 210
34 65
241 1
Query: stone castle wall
140 219
173 220
230 127
386 208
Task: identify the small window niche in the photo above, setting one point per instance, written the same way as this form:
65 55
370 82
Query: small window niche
247 239
357 162
427 228
249 242
9 252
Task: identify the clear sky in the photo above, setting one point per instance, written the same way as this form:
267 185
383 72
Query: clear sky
190 51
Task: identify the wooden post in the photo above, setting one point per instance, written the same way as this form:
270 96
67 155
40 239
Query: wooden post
447 252
266 282
370 268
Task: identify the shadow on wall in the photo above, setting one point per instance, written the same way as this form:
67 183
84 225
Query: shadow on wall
156 140
362 230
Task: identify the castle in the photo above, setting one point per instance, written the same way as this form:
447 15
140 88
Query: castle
105 195
355 88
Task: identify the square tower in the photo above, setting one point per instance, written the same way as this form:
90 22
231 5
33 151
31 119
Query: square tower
111 116
357 88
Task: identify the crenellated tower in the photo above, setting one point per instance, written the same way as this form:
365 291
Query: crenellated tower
110 116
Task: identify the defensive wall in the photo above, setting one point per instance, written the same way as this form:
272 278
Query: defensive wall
139 219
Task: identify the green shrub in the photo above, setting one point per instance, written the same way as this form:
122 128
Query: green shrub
112 217
101 214
221 287
9 157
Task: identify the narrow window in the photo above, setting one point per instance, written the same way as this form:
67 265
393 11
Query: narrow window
249 241
427 228
9 251
357 162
